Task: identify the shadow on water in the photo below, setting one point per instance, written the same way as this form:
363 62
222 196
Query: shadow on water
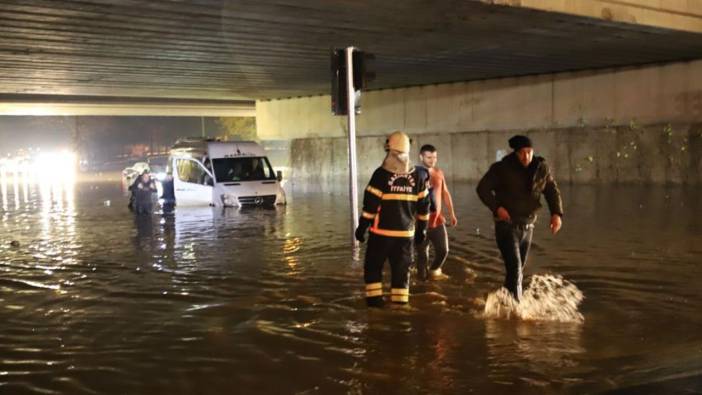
203 300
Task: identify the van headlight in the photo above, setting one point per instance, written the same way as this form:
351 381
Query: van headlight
229 200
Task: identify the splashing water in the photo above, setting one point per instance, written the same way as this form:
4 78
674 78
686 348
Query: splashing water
546 298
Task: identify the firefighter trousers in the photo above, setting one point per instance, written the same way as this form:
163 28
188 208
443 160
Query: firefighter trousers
396 250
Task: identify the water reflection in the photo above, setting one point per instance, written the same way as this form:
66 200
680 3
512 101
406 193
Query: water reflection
58 210
144 240
535 349
3 189
15 185
25 191
271 300
290 247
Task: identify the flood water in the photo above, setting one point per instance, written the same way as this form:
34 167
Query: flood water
218 301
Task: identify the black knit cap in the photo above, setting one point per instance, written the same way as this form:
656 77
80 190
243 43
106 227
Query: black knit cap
518 142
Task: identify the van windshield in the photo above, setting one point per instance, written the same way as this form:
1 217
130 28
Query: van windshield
243 169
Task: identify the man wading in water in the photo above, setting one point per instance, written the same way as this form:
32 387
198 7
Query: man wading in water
436 232
394 197
512 190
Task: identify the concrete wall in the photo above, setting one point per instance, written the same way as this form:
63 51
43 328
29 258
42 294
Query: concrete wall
623 125
661 153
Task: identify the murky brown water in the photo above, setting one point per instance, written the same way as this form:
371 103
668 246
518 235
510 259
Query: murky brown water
270 301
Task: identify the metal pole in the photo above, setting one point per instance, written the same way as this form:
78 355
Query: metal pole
353 177
202 125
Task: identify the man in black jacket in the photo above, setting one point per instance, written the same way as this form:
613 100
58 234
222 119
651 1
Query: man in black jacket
512 190
142 192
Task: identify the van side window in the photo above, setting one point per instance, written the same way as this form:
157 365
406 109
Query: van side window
192 172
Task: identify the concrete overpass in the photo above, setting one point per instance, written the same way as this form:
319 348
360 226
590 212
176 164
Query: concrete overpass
263 49
460 72
67 105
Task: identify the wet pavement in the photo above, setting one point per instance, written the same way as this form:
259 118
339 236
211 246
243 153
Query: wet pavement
96 300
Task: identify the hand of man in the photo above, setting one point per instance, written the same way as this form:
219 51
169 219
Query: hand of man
503 215
453 221
360 233
556 223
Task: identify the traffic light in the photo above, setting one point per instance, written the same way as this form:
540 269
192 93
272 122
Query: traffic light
361 77
338 80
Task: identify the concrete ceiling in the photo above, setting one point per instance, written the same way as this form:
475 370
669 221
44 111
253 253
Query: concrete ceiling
260 49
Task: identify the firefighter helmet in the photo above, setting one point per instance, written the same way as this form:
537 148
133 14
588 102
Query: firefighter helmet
398 141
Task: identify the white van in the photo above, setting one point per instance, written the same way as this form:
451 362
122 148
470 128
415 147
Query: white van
223 174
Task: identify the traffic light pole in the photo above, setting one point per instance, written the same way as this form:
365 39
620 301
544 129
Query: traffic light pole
353 176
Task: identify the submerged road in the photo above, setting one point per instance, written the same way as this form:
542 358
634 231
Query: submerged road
94 300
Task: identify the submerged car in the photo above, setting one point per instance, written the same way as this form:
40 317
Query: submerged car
158 166
130 174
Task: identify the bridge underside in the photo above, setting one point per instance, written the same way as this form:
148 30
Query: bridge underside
252 50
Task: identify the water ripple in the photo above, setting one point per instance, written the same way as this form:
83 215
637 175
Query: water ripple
95 300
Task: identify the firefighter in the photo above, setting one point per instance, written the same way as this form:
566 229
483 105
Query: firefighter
395 197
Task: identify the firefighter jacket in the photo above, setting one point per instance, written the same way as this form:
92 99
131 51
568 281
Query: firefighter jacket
392 201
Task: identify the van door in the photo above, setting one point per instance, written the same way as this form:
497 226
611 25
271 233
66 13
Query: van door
192 183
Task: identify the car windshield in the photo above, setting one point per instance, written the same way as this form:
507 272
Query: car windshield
243 169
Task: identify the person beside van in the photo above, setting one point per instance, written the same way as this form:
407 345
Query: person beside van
168 194
143 190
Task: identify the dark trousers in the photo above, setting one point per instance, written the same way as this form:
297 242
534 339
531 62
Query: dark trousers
143 201
439 239
143 206
397 250
514 241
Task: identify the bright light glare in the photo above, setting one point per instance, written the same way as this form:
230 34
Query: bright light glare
45 167
55 167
